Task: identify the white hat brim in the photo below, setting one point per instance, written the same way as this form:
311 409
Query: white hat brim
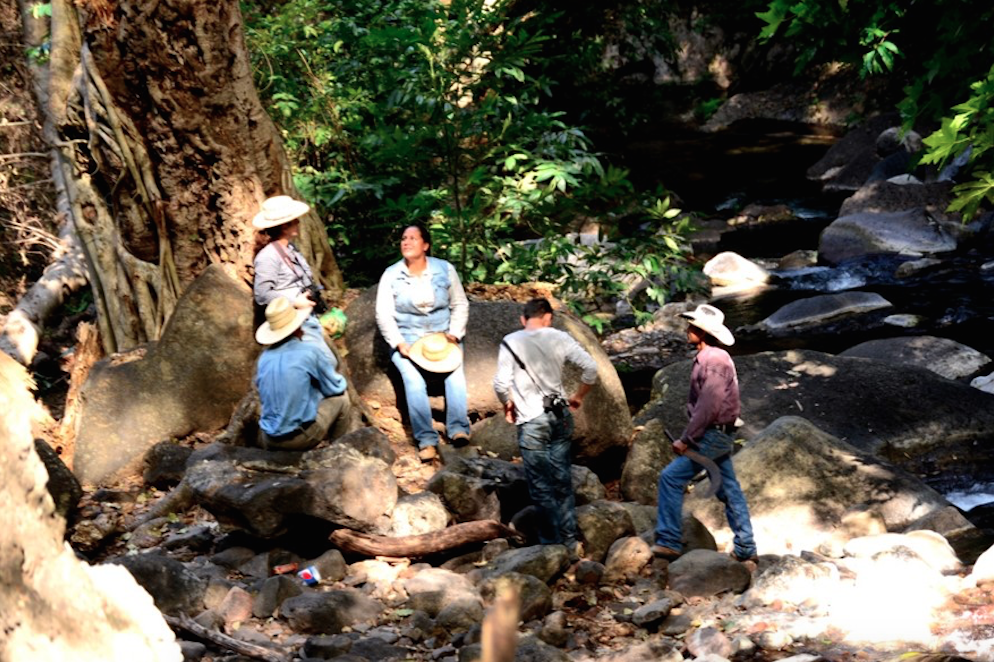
719 331
294 210
265 335
452 361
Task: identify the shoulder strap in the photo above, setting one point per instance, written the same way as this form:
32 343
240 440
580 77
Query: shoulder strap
524 367
290 263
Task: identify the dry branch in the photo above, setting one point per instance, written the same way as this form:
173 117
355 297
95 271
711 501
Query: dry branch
183 622
451 537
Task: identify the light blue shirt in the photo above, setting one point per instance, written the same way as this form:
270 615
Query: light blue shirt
292 378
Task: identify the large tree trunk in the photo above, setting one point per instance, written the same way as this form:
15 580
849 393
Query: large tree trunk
166 150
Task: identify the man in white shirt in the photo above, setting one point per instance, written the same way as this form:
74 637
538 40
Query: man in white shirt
529 384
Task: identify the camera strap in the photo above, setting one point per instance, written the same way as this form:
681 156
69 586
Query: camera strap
524 367
295 267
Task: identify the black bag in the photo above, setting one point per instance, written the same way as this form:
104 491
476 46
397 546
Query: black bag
320 307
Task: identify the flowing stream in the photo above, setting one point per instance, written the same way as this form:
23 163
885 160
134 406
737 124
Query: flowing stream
765 163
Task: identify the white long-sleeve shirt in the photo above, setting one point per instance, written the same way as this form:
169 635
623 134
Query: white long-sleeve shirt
544 351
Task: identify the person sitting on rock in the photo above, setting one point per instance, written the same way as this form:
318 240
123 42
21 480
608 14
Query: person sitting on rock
301 393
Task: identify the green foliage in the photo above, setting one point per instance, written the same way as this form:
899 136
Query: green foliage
591 273
939 47
399 111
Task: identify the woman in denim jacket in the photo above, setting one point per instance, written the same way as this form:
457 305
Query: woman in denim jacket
418 296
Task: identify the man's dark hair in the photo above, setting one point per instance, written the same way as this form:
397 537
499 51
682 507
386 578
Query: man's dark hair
422 229
708 338
537 308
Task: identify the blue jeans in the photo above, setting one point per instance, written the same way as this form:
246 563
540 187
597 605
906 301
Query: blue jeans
419 408
672 482
545 448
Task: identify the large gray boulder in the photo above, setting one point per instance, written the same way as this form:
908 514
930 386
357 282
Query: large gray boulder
259 490
904 414
800 481
601 424
191 379
851 160
909 232
819 310
942 356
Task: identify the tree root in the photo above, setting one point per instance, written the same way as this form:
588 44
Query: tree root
183 622
177 501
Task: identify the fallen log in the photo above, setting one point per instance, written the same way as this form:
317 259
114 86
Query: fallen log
186 623
448 538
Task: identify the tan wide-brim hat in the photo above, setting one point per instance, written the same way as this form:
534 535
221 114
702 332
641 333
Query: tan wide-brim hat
278 210
435 353
282 319
711 320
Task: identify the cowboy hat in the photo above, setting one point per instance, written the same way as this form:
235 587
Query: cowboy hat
710 320
435 353
282 319
278 210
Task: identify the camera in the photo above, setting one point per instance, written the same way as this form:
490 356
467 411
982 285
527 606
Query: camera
319 305
556 404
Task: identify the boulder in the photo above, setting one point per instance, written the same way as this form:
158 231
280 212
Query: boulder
415 514
701 572
475 488
952 433
431 589
190 379
165 464
601 523
626 558
259 490
601 424
174 588
534 595
730 269
792 580
800 482
887 197
820 310
849 162
329 612
651 451
908 232
931 547
542 561
942 356
984 383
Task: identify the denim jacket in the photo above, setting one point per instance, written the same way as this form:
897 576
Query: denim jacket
399 318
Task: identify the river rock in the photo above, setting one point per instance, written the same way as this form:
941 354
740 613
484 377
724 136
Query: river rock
415 514
908 232
601 424
626 558
329 612
62 485
651 451
793 580
942 356
259 490
731 270
534 595
811 312
174 588
800 481
542 561
431 589
848 163
191 379
885 197
929 546
701 572
600 524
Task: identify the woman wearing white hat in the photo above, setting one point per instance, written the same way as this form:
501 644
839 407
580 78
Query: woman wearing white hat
280 269
421 310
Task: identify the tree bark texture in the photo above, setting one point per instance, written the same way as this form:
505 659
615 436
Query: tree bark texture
167 151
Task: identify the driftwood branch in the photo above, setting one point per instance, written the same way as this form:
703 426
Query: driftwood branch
451 537
183 622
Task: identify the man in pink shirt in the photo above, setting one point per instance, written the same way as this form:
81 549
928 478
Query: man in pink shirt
712 407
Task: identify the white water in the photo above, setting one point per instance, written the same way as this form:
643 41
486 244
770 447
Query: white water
977 495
